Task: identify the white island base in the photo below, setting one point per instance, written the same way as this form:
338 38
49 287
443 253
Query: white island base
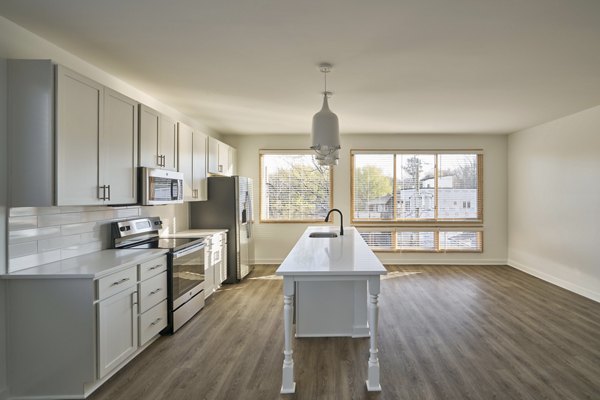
337 281
329 308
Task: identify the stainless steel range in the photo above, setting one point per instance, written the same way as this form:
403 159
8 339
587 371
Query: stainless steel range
185 268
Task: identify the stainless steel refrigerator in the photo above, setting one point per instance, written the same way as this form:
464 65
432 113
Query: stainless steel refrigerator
229 206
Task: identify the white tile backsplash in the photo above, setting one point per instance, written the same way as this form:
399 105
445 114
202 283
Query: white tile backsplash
19 223
39 235
21 211
22 249
29 235
58 242
17 264
59 219
72 229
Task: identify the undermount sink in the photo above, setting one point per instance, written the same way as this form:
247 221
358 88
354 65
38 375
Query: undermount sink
323 235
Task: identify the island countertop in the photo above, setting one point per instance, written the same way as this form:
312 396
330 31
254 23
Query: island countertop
347 254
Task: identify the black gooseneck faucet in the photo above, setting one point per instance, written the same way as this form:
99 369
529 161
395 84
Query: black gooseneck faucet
341 219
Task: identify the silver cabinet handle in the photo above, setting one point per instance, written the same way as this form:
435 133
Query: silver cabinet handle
156 321
119 282
155 267
108 193
154 291
220 168
103 188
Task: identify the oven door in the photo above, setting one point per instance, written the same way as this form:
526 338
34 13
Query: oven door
188 274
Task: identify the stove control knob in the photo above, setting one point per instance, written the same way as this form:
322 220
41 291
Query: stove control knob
122 229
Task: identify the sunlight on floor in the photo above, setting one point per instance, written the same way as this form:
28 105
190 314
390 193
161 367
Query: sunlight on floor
267 278
390 275
399 274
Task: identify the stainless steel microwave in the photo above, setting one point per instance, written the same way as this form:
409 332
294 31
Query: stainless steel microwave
159 186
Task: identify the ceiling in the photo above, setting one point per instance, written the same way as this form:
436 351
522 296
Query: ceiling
411 66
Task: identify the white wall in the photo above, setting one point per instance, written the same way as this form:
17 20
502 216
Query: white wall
274 241
554 202
3 224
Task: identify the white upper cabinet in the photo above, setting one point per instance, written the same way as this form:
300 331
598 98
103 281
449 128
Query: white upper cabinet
200 184
96 143
192 162
220 157
186 154
79 109
149 133
168 142
158 140
118 145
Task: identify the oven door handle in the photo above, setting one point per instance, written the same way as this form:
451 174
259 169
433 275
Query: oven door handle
188 250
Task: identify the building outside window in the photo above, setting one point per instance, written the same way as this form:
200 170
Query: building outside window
434 188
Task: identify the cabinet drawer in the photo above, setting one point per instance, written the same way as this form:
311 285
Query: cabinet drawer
116 282
153 267
152 322
153 291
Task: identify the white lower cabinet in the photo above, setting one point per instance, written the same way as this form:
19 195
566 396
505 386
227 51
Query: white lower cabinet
153 306
215 263
68 333
153 321
132 316
117 329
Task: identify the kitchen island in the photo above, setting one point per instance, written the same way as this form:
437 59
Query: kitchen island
336 282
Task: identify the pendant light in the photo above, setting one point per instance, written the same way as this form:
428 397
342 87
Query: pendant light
325 128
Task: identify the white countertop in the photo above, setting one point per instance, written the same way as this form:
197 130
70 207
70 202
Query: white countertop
195 233
93 265
343 255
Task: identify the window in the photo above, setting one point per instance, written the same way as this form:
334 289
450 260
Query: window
428 187
431 240
293 188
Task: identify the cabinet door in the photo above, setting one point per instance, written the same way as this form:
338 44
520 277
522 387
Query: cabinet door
78 126
117 330
209 280
232 162
168 142
149 132
223 273
213 155
199 185
118 148
185 160
224 159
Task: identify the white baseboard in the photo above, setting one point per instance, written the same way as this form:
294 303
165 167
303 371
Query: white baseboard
570 286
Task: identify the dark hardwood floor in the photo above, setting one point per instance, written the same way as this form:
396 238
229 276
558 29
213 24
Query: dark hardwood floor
446 332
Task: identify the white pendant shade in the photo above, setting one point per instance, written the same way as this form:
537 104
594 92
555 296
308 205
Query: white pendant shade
325 129
325 134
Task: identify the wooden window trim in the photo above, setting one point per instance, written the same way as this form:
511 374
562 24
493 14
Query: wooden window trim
261 153
436 239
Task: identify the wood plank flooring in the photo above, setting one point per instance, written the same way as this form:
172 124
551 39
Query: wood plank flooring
446 332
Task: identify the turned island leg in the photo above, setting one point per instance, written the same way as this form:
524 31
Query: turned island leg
287 380
373 384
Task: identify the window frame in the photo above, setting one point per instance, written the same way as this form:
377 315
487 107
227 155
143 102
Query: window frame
436 231
431 222
261 153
